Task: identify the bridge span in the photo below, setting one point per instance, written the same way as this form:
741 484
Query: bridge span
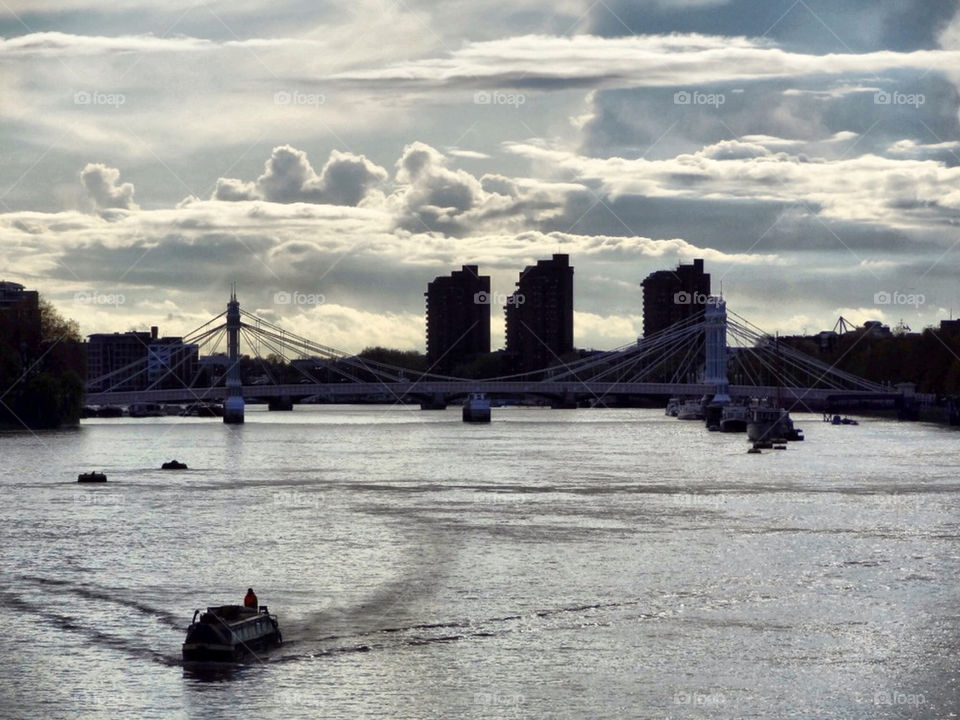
415 391
688 359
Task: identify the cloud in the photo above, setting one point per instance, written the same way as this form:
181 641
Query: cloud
49 44
468 154
545 62
895 192
288 177
100 182
435 198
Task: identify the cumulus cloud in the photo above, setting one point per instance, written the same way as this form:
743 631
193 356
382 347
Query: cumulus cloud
434 197
100 183
288 177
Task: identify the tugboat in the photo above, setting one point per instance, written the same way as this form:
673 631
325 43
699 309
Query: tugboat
91 477
690 410
476 408
173 465
734 418
230 633
771 423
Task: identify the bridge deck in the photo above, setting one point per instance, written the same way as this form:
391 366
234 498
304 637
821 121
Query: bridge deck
453 388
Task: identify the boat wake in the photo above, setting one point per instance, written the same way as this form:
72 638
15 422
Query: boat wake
111 596
566 617
74 625
305 640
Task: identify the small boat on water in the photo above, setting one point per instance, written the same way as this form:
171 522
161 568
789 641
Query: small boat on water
230 633
837 420
476 408
91 477
769 424
734 418
173 465
690 410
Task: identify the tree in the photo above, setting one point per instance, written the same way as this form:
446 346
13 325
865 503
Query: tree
47 376
54 327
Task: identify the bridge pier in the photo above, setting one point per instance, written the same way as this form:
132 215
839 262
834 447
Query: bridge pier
284 402
233 405
715 362
567 402
437 401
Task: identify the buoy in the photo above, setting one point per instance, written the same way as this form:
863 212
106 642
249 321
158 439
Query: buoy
91 477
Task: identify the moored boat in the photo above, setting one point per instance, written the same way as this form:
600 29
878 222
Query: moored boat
734 418
690 410
476 408
230 633
771 423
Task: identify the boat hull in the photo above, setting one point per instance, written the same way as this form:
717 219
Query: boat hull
733 426
216 652
476 409
91 478
230 634
472 415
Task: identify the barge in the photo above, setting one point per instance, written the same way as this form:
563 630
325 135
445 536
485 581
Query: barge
230 633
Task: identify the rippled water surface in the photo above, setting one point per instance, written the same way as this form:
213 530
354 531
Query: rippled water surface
575 563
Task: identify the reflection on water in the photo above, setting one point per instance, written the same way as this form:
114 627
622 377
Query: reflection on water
551 564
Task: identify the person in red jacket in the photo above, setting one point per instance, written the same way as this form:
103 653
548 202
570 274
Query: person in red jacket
250 599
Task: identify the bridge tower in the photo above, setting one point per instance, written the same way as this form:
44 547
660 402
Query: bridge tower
233 406
715 370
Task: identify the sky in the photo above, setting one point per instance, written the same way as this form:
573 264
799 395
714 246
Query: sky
331 159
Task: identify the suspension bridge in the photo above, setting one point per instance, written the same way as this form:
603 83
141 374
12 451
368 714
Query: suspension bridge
691 358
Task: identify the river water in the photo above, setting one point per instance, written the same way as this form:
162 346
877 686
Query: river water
552 564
